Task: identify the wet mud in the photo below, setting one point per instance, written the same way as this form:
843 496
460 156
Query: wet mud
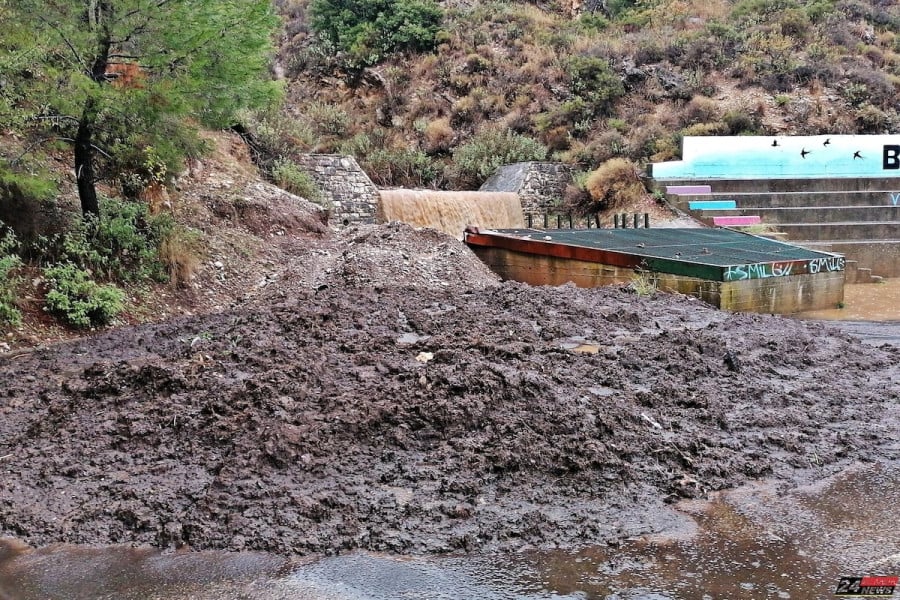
424 408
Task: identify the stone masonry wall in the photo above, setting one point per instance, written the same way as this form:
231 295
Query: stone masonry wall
541 186
345 187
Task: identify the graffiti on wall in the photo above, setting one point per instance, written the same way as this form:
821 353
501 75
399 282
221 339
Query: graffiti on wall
826 264
758 271
894 198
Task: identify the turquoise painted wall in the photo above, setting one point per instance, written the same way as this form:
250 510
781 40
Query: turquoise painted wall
784 157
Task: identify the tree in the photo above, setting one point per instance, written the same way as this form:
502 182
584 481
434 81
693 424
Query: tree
114 78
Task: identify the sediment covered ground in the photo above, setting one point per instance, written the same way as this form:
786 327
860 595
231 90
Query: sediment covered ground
387 393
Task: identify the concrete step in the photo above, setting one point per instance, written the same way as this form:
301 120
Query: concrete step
841 184
688 189
793 199
849 230
695 205
813 214
735 220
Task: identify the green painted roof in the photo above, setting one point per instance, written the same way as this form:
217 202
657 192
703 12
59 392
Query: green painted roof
714 247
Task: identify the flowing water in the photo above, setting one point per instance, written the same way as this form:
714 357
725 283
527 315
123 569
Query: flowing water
755 542
451 212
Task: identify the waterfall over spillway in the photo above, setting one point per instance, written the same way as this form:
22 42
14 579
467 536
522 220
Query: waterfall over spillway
451 212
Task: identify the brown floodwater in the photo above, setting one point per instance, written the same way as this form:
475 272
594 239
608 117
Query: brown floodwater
864 302
755 542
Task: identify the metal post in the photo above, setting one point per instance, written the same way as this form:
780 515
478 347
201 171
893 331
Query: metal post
559 221
529 220
545 220
589 222
646 220
616 221
597 220
571 226
624 222
636 220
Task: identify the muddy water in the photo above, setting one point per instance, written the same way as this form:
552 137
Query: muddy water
754 542
865 302
451 212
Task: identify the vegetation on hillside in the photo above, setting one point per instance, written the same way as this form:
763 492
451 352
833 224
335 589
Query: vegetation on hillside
619 79
422 93
122 87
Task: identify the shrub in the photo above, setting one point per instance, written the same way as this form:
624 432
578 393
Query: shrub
272 135
740 122
179 251
295 180
328 119
9 262
871 119
614 184
488 150
123 244
79 300
700 110
594 81
367 31
438 136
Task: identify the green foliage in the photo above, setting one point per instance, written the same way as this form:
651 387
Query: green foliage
124 76
29 186
289 176
595 82
122 245
9 262
79 300
367 31
490 149
328 119
392 166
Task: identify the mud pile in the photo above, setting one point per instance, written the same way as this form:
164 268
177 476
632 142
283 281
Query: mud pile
354 409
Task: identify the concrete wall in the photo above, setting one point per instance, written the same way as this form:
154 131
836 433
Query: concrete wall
775 157
775 295
346 188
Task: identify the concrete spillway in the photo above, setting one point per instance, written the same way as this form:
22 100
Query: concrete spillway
451 212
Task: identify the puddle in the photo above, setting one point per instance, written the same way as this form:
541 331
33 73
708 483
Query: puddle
755 542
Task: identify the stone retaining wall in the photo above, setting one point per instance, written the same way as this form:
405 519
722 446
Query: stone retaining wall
541 186
346 189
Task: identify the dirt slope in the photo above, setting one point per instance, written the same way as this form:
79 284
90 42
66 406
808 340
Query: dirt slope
386 392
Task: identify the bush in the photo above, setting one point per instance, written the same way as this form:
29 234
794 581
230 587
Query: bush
79 300
367 31
179 251
9 262
594 81
613 184
487 151
295 180
123 244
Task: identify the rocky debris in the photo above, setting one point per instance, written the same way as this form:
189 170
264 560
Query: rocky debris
366 406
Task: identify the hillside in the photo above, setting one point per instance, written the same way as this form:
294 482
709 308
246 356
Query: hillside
586 82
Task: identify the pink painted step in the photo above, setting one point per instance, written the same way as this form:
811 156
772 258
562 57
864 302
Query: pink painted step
688 189
736 221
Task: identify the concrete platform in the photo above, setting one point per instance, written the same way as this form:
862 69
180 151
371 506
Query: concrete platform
727 268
